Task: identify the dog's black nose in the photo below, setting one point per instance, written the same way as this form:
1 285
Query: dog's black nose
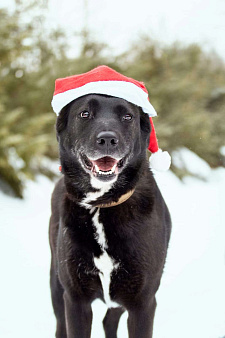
107 140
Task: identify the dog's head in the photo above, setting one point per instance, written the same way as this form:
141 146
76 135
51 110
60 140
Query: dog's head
100 136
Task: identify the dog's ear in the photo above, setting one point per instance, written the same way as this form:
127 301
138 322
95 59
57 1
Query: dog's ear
62 120
144 122
145 127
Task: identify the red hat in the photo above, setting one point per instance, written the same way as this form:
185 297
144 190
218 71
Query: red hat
105 80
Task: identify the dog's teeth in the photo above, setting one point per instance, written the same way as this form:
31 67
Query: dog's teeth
96 168
105 172
114 167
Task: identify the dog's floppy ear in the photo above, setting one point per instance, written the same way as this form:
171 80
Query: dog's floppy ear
62 120
145 126
144 122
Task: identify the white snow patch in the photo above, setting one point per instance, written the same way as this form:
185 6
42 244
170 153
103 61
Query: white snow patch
14 160
186 159
222 150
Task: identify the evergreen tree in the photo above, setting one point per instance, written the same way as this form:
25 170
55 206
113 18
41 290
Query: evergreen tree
187 88
25 135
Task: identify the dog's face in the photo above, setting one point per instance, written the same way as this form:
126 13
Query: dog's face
104 134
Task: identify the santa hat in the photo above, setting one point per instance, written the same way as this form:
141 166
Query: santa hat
105 80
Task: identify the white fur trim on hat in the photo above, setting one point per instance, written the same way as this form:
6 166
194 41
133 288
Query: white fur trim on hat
122 89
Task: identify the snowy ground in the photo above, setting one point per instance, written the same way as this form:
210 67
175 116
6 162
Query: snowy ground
191 299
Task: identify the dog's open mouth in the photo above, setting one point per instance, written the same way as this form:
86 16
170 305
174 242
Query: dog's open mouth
104 167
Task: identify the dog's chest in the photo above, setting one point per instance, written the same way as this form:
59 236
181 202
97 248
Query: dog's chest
104 263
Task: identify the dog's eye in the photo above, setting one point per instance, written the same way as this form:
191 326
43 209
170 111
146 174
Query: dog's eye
127 117
84 114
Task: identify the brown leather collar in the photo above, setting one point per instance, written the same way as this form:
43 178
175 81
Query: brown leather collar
122 199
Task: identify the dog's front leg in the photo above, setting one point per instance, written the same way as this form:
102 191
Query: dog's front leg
140 320
78 317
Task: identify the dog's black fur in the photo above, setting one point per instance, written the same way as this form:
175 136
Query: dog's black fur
137 231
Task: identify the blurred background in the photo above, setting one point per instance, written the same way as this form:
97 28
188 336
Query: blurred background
178 50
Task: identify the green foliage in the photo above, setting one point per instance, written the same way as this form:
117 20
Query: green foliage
26 130
186 87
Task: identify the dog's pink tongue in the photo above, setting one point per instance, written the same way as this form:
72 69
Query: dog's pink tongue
105 163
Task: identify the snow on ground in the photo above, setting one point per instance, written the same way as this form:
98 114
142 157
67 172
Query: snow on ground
191 299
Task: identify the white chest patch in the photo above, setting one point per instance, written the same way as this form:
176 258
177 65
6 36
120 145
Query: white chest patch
92 196
105 264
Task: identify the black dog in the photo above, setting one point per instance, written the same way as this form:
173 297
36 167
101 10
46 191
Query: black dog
110 227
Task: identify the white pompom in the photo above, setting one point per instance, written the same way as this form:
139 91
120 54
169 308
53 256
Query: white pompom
160 161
